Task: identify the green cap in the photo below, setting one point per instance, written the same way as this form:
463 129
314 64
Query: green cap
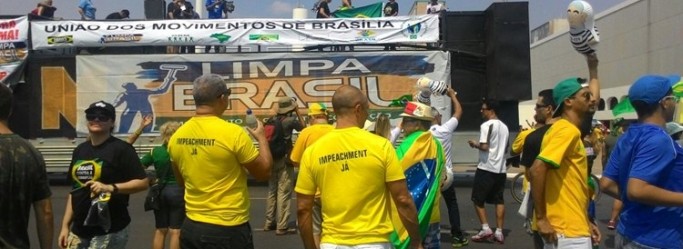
564 90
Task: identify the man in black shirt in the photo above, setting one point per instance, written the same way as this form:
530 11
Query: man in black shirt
543 116
545 106
181 9
123 14
23 182
107 170
391 9
324 9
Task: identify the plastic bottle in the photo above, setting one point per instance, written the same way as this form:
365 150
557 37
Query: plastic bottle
250 120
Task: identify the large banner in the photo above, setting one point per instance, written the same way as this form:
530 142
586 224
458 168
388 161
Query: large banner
233 32
13 48
161 85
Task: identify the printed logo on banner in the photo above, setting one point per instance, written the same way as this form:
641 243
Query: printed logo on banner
222 38
366 35
10 53
414 30
121 38
264 37
60 39
184 38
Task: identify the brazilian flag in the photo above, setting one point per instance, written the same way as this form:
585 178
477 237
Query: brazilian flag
422 160
372 10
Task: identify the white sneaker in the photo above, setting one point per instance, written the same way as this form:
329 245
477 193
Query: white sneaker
483 235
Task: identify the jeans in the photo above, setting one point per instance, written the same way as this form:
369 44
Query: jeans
115 240
279 200
453 210
199 235
216 49
625 243
187 49
172 212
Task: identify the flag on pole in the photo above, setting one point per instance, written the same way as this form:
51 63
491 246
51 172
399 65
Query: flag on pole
422 160
372 10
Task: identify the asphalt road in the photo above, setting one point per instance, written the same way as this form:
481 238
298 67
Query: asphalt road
142 226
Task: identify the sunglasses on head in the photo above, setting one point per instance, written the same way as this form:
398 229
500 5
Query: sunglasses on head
97 116
672 97
225 93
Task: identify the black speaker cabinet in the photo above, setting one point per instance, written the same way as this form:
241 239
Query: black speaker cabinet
155 9
508 63
489 59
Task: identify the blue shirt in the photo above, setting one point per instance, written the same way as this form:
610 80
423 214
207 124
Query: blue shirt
647 153
215 12
88 9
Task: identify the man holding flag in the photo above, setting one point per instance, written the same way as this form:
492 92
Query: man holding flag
422 160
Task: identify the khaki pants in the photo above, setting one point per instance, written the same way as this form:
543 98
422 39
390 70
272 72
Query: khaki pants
279 194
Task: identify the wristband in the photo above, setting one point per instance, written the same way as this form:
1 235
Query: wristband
116 189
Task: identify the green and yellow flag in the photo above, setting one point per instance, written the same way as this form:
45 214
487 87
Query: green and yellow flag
368 11
623 107
422 160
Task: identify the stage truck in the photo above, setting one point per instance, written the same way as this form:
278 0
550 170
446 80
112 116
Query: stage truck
160 85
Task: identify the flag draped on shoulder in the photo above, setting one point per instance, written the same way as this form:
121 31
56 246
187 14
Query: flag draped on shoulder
372 10
422 160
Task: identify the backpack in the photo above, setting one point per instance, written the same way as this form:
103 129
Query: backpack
275 133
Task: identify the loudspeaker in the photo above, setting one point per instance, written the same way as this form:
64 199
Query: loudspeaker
464 32
155 9
468 78
509 114
490 58
508 61
466 39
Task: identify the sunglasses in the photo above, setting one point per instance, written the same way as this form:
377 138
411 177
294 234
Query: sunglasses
585 95
539 106
674 98
97 116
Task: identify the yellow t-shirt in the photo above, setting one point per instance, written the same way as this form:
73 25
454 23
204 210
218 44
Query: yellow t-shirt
518 144
209 153
566 189
306 138
351 167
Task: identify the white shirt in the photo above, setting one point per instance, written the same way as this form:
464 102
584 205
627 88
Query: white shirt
444 133
493 160
395 133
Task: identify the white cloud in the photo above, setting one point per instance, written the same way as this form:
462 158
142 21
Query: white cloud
281 9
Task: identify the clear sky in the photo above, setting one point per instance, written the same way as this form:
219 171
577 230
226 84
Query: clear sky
540 11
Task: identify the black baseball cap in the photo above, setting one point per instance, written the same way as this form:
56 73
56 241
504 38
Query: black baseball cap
102 107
